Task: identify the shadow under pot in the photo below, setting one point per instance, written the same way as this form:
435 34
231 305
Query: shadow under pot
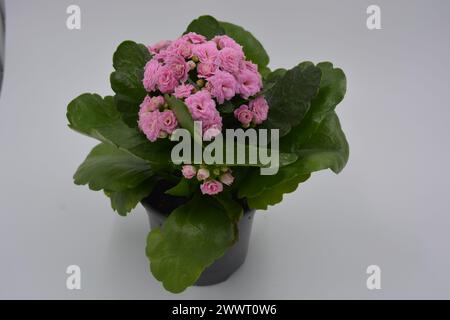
159 205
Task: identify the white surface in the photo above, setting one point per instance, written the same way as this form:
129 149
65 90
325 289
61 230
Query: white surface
389 207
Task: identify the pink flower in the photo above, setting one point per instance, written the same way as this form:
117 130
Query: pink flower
183 91
211 187
157 47
151 75
194 37
244 115
222 86
212 127
248 65
250 83
206 52
191 64
227 178
181 47
260 109
227 42
179 66
149 124
188 171
201 105
206 69
229 59
150 104
166 79
203 108
202 174
162 55
167 121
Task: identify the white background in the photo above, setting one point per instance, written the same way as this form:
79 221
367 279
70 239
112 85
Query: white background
389 207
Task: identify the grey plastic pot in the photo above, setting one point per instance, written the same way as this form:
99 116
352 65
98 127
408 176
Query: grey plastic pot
225 266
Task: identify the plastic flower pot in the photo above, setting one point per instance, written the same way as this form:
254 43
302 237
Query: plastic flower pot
159 206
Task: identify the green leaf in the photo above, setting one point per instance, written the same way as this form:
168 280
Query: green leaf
181 113
274 194
125 201
126 81
191 239
290 97
327 148
207 26
182 189
264 71
263 190
129 109
226 107
107 167
98 118
232 207
331 92
287 158
130 55
230 155
253 49
271 79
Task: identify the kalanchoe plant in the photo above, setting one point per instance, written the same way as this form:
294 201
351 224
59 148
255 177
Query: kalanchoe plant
216 73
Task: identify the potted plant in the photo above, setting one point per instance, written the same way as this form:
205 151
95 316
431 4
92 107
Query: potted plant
172 136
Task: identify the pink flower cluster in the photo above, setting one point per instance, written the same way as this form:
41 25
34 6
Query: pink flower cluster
219 73
153 122
256 112
213 181
204 74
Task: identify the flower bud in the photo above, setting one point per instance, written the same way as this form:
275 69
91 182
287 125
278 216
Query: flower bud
200 82
191 64
202 174
227 178
188 171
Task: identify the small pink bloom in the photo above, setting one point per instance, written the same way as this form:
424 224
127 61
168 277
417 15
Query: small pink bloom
193 37
150 104
179 66
162 55
191 64
167 121
183 91
222 86
227 42
250 83
201 105
157 47
229 59
181 47
244 115
149 124
188 171
260 109
206 52
206 69
166 79
211 187
212 127
151 75
227 179
248 65
202 174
